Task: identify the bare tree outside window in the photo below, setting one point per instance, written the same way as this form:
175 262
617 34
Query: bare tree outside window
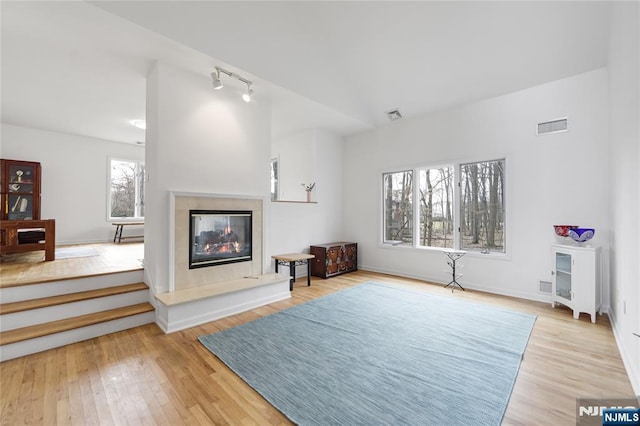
398 207
474 191
436 207
482 213
127 189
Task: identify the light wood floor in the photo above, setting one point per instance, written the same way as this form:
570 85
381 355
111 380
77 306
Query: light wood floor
29 268
142 376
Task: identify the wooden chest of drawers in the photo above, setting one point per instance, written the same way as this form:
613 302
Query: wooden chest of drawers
333 259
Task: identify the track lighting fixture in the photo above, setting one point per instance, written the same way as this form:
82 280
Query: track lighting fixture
217 82
247 96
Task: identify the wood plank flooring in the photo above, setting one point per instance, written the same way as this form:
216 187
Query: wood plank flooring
30 268
142 376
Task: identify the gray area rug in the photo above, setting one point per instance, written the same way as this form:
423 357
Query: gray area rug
376 354
71 252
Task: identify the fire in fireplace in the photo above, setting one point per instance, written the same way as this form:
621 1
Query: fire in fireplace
219 237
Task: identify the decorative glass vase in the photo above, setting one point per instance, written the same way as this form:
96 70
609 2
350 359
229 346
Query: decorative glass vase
308 196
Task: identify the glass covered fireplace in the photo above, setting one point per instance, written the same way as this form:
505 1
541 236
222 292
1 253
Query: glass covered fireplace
219 237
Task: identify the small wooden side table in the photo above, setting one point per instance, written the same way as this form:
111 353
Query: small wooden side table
294 259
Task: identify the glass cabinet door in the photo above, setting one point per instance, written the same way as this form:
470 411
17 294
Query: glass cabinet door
19 190
20 187
563 275
21 178
20 207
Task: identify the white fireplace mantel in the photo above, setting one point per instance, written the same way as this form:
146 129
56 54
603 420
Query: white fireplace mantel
200 295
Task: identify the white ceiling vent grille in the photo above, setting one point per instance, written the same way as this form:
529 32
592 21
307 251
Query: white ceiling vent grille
394 114
553 126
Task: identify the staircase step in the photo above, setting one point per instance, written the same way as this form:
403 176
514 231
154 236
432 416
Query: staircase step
10 308
69 285
39 330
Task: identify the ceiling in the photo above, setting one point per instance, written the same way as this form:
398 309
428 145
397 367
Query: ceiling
79 68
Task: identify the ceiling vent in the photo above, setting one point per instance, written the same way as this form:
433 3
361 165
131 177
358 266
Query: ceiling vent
553 126
394 114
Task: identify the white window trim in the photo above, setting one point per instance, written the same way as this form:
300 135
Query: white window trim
108 206
277 160
381 242
506 255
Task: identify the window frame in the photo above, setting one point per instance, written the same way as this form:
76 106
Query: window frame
383 240
417 223
274 195
139 202
483 251
502 255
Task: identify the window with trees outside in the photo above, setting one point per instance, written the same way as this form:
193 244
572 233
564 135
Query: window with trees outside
126 195
436 207
398 207
460 206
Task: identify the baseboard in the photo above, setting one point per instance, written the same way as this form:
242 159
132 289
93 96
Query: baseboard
626 359
544 298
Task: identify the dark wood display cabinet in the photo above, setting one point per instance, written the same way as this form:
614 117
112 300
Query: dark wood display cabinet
333 259
20 190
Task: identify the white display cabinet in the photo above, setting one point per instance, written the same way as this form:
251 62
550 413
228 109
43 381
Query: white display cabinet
576 278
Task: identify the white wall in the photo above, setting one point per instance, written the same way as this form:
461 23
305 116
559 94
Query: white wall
551 179
296 226
199 140
624 74
297 163
74 178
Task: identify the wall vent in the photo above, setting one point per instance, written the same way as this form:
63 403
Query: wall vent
544 287
553 126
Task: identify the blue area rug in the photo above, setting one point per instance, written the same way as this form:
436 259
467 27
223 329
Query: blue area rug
376 354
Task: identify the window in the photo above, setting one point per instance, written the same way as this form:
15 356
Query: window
274 179
436 207
398 207
126 195
482 206
460 206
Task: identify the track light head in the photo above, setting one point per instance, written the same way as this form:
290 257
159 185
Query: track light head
247 96
217 83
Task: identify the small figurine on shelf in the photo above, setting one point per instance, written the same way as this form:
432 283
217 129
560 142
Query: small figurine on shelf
308 187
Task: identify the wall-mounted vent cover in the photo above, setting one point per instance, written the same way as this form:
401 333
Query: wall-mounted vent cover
544 287
394 114
553 126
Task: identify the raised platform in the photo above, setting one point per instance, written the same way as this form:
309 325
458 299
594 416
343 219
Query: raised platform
20 269
194 306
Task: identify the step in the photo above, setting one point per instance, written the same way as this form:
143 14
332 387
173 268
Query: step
69 285
56 340
57 312
39 330
10 308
